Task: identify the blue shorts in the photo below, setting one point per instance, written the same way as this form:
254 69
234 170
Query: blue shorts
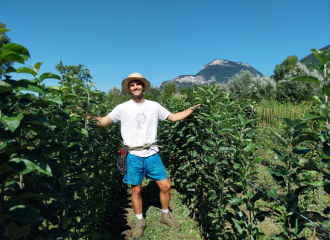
137 167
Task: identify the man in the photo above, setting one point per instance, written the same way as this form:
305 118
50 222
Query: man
139 121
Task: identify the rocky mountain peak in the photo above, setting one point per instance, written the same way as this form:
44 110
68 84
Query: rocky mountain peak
218 69
221 62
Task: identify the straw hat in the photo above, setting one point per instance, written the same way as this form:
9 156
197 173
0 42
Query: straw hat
134 76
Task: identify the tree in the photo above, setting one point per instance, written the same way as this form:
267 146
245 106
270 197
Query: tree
4 39
169 88
153 93
72 71
298 91
245 85
114 90
285 67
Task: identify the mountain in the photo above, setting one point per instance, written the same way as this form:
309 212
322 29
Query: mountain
312 59
222 70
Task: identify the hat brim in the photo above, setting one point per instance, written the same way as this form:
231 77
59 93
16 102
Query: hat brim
125 82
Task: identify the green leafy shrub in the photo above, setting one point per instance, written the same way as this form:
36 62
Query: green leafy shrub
296 92
245 85
57 170
211 159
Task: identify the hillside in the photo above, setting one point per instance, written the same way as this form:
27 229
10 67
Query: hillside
312 59
221 70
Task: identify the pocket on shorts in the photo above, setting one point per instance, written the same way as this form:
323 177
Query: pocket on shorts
134 161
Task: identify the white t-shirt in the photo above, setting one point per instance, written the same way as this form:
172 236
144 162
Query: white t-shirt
139 123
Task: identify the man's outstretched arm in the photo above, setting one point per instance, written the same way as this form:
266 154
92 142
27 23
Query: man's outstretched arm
174 117
100 121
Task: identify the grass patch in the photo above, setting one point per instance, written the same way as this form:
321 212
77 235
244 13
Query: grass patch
152 211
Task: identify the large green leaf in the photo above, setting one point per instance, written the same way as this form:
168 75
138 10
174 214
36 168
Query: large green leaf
213 196
307 164
326 88
288 122
11 121
49 75
310 116
210 159
16 48
25 213
3 30
9 85
30 165
316 184
323 56
8 56
324 155
303 138
55 99
223 148
26 70
13 232
316 99
280 139
235 201
326 224
306 79
9 69
272 193
250 147
238 227
37 66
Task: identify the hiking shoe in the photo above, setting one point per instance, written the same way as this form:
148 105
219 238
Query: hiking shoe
168 219
138 230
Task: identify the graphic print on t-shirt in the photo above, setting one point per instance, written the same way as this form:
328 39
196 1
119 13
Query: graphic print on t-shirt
140 118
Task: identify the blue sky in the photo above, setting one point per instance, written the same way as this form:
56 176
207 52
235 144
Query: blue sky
164 39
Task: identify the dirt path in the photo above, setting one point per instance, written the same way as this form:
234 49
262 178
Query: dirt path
120 218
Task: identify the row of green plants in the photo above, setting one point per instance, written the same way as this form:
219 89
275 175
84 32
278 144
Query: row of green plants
57 170
212 160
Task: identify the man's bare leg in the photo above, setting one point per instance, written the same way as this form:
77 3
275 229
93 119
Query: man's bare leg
165 187
137 205
166 216
136 198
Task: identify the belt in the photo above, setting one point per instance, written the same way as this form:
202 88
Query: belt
140 148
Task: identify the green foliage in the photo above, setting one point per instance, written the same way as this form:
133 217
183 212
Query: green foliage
4 39
245 85
297 87
210 157
9 53
153 94
169 89
68 72
285 67
57 170
114 90
305 158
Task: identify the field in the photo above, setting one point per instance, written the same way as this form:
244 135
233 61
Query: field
239 170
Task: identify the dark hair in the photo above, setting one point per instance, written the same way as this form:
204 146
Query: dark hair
136 80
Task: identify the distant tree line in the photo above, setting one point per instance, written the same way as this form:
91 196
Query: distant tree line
245 85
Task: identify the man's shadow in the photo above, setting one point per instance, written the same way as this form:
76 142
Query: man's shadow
115 224
150 196
114 221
